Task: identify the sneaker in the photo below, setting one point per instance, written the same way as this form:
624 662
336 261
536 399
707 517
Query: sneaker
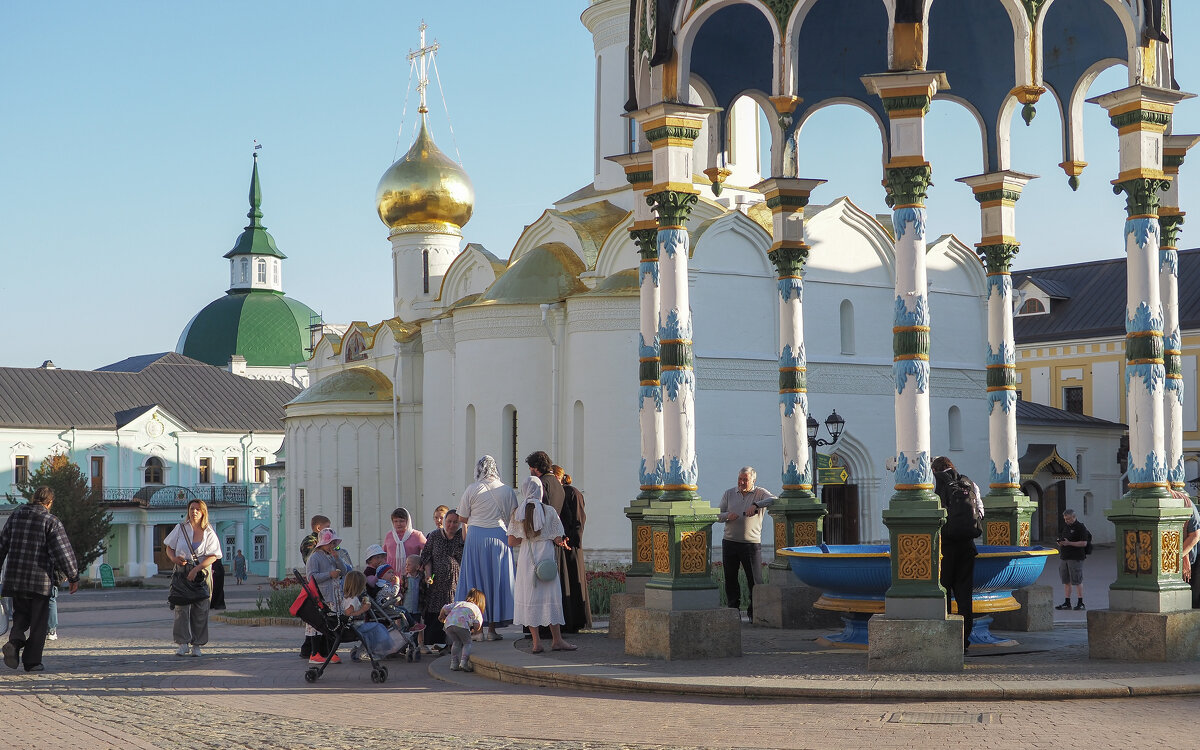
1080 605
12 655
467 667
196 651
316 659
1064 605
454 667
183 650
52 635
335 659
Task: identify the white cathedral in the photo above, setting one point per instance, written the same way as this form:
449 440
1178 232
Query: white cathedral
540 352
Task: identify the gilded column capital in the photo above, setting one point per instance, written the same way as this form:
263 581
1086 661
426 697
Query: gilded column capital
673 206
907 185
998 258
1141 194
789 261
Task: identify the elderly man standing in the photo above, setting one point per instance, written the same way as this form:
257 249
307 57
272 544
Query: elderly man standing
34 544
741 510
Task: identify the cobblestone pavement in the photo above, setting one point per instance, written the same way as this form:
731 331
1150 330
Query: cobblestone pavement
113 682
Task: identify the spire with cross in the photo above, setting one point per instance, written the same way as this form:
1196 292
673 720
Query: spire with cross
421 55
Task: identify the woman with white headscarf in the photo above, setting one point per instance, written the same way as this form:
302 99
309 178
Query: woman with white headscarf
536 530
487 562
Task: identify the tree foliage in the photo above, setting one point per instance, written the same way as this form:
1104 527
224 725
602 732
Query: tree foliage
76 504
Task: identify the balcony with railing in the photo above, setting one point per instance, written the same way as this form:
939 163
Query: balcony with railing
178 496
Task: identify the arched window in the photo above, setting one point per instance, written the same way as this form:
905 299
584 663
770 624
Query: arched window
261 268
509 451
954 428
154 470
245 270
847 320
1032 307
275 268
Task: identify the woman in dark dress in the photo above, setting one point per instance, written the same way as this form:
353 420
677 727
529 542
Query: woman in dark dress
440 559
577 606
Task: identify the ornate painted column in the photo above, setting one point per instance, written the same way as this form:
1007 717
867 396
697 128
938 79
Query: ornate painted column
644 232
681 523
1148 520
1007 512
914 516
798 514
1170 218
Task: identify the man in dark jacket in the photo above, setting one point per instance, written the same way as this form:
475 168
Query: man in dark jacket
958 552
34 544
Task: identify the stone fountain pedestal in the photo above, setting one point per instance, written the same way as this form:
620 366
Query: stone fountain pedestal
899 645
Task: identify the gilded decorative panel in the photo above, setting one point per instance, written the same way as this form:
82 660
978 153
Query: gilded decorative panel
662 552
643 550
805 533
1139 551
692 548
780 535
998 532
1024 534
1170 552
915 557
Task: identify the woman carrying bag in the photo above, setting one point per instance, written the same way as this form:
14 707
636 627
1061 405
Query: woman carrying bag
193 547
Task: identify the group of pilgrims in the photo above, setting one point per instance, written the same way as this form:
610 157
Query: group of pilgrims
522 552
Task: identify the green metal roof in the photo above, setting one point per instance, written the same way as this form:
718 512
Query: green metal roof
255 239
547 273
355 384
264 326
626 283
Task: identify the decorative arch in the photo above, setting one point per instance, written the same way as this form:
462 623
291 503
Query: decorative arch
618 251
964 257
845 211
736 223
876 115
690 29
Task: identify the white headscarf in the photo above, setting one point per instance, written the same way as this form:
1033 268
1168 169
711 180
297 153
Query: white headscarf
486 469
408 530
533 494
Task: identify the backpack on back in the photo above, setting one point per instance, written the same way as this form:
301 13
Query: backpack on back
961 522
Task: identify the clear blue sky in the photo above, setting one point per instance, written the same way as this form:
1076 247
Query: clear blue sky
128 128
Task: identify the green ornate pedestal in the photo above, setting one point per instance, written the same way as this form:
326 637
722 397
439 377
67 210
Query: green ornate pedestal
681 544
914 519
641 546
1006 518
799 521
1149 573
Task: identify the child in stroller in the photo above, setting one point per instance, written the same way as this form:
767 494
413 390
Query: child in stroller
382 632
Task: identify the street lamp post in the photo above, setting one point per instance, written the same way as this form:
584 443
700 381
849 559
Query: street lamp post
834 424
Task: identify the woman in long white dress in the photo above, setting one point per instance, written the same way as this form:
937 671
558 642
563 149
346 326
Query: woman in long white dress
536 530
486 506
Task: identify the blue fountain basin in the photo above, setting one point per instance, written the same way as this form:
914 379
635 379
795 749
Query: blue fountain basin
855 577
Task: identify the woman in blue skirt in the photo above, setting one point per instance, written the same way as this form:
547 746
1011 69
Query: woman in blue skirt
487 562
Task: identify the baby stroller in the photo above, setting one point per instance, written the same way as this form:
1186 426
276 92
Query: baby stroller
386 610
312 608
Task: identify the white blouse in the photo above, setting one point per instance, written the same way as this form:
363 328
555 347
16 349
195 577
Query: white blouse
488 504
180 536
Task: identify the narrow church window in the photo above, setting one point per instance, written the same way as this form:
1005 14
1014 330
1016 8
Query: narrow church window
847 325
303 522
205 470
231 470
154 470
260 547
579 452
260 474
245 270
425 270
21 469
509 452
262 271
954 428
275 269
347 507
469 442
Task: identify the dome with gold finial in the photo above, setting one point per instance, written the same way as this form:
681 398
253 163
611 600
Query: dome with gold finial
425 187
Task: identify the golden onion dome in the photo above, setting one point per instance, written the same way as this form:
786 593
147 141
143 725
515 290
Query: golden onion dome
425 187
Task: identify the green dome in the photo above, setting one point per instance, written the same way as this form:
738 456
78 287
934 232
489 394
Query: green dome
264 326
547 273
355 384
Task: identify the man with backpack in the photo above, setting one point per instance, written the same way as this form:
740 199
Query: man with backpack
1074 543
960 497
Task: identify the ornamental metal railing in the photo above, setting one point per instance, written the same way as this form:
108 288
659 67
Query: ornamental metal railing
172 496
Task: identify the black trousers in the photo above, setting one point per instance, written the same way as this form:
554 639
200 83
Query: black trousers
737 556
958 573
31 612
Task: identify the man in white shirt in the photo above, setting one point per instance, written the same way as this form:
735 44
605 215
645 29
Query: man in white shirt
741 511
